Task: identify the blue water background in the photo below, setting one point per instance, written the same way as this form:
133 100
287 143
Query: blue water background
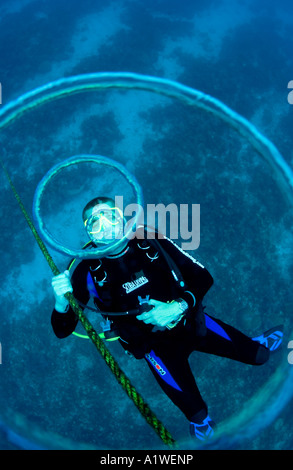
60 393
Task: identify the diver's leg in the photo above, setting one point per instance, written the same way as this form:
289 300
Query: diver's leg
172 372
224 340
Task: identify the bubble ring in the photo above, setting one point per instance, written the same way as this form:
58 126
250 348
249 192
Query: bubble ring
76 160
239 426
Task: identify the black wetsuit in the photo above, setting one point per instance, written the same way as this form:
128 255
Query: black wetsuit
117 284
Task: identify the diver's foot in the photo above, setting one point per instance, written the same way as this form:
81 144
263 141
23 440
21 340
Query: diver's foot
271 339
204 430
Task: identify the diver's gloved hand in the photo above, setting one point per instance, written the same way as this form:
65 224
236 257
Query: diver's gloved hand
61 284
162 314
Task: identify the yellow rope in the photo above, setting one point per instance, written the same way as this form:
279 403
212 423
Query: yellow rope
124 381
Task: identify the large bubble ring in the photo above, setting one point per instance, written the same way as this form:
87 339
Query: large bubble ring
267 403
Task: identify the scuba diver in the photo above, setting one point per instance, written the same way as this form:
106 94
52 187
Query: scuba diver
150 294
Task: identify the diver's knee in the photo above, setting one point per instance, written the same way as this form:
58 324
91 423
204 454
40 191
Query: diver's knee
262 355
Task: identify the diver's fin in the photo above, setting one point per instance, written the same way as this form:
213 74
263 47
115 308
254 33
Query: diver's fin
202 431
272 338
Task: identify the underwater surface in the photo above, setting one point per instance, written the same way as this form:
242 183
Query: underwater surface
60 394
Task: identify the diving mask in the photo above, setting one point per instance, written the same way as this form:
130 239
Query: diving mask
105 224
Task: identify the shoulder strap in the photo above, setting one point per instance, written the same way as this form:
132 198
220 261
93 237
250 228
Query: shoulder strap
169 260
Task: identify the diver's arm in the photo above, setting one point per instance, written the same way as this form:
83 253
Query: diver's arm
63 324
63 318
